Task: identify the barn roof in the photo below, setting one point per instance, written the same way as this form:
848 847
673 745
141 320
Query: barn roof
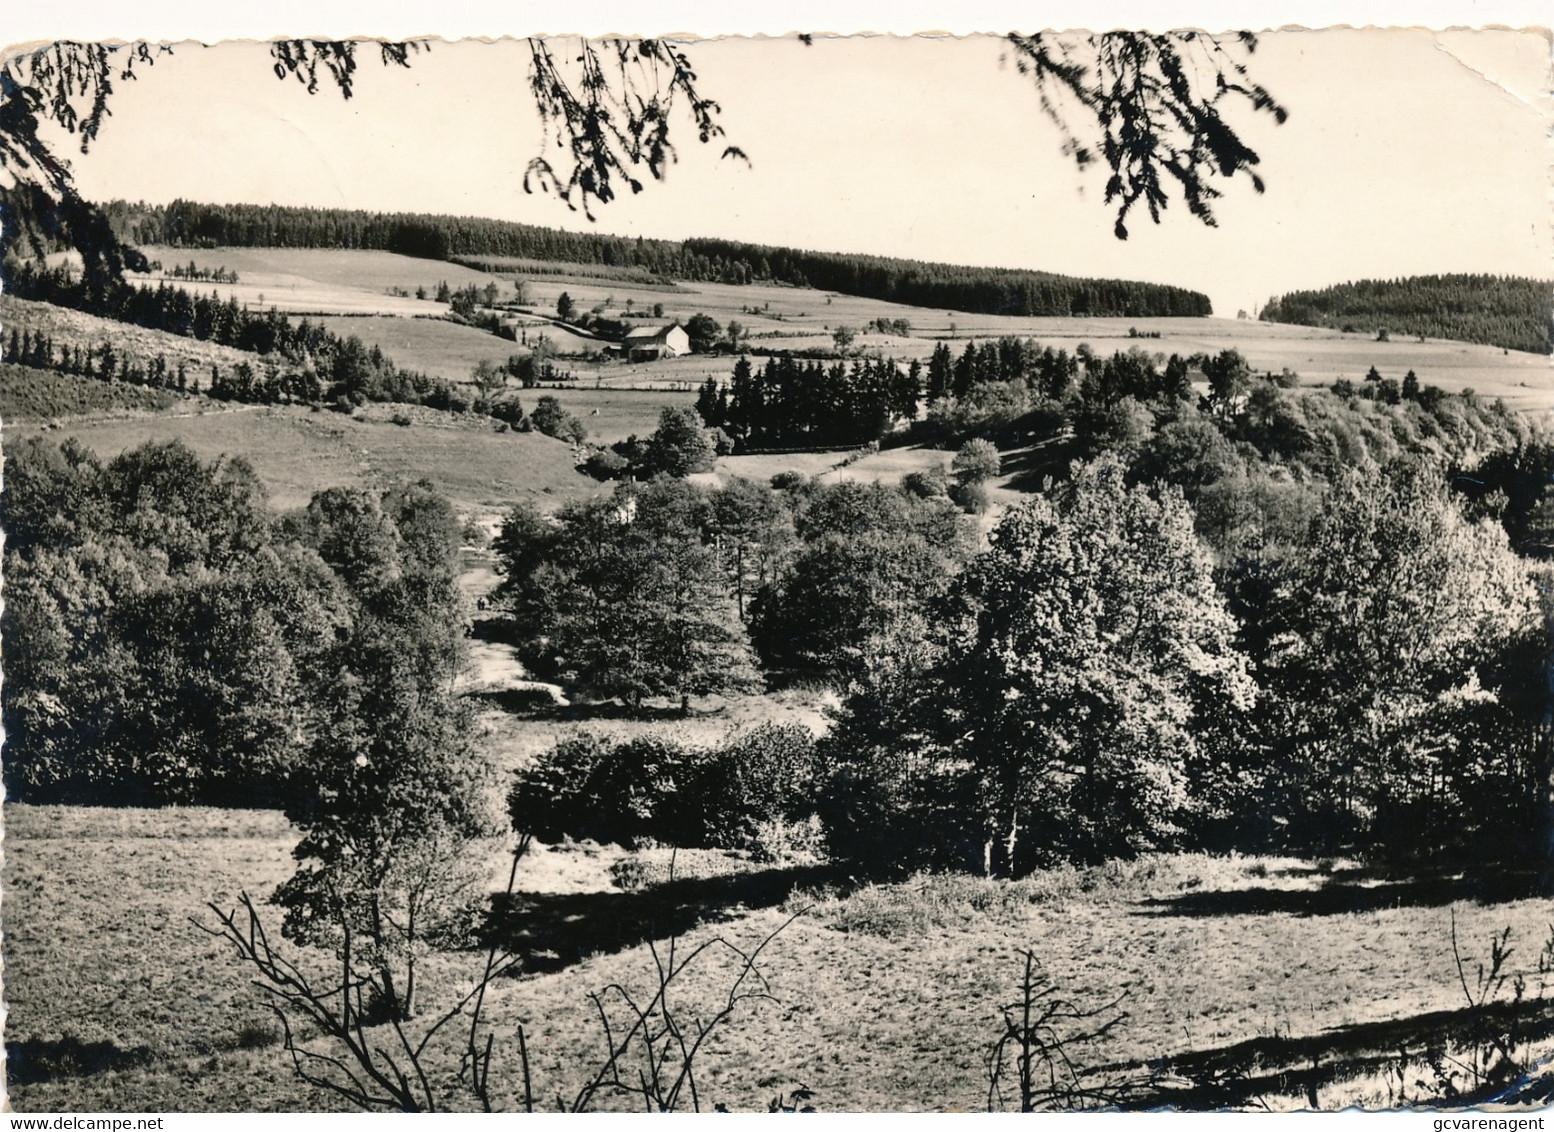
639 334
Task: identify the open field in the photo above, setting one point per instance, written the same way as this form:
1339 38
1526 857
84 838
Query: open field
886 998
779 317
442 349
323 280
297 452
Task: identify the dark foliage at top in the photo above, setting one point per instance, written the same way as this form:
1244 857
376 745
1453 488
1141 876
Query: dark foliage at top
980 290
1495 310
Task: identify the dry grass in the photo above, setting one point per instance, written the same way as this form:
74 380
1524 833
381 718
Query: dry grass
297 452
324 280
442 349
104 967
36 394
361 270
886 998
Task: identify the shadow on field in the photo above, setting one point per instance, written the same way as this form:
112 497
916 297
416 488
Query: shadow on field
1029 469
552 931
1361 890
32 1060
1236 1076
525 703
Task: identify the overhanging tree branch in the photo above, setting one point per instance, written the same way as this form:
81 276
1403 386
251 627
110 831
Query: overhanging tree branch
1157 101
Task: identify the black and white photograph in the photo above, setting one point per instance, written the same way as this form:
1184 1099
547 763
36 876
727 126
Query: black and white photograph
847 566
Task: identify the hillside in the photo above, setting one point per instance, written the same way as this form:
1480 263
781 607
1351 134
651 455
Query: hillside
133 348
973 289
1507 311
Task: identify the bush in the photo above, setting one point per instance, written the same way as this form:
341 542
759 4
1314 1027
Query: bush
585 787
930 483
970 497
976 461
604 464
756 791
762 776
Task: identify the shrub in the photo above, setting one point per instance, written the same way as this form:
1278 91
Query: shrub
605 464
970 497
585 787
976 461
930 483
756 791
762 776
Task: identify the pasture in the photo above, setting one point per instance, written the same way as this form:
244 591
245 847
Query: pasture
442 349
297 452
782 317
1266 975
322 280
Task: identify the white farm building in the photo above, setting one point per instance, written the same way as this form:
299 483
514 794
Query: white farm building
649 343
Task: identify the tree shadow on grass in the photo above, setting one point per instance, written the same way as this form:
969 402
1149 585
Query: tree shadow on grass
1242 1074
1358 890
32 1060
549 932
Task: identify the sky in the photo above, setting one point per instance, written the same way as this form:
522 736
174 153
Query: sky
1406 152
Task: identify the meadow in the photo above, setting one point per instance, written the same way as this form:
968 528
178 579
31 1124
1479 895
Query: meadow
321 280
783 317
1267 976
439 348
297 452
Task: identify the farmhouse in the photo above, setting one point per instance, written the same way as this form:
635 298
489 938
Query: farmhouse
649 343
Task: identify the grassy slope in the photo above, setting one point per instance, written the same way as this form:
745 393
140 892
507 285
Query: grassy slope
320 280
297 452
794 318
133 342
885 1000
37 394
442 349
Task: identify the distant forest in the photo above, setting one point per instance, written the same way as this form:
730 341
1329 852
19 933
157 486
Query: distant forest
1494 310
976 290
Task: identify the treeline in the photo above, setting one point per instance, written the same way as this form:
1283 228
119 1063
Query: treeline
194 273
793 404
170 639
1495 310
424 235
979 290
945 286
